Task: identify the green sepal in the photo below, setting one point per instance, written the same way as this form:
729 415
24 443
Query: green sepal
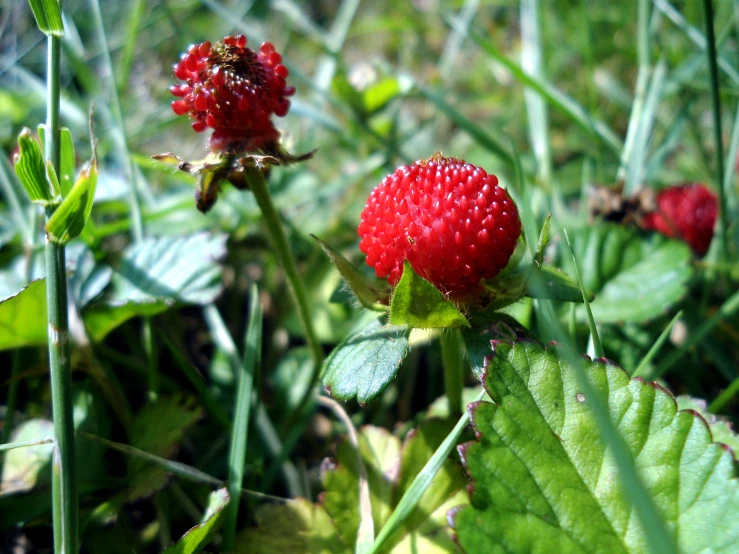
48 16
419 304
29 166
370 297
68 220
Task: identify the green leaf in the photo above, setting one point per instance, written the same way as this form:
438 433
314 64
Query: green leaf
536 486
23 317
170 269
70 217
24 467
48 16
100 318
369 296
532 281
31 171
331 526
555 285
635 277
364 364
477 338
158 429
297 526
379 94
419 304
720 426
198 537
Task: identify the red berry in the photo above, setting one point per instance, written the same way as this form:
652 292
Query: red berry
448 218
233 90
687 212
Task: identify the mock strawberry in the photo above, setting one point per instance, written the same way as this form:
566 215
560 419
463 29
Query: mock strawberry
687 212
448 218
234 91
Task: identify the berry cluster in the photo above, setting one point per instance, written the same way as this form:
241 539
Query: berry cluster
448 218
687 212
234 91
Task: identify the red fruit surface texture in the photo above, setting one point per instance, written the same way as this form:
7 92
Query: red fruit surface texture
233 90
448 218
687 212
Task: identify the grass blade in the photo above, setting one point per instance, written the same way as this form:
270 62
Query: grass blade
552 95
644 117
727 309
657 345
536 108
422 481
597 346
366 532
657 536
718 136
695 35
240 429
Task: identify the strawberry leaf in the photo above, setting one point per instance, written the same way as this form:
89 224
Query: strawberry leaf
635 277
419 304
331 526
544 481
364 364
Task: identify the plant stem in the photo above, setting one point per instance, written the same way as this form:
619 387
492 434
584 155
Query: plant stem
716 99
258 186
64 476
452 358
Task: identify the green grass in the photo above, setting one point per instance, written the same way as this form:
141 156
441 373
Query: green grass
528 90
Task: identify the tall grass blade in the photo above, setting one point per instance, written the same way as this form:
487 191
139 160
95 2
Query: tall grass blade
597 346
657 345
418 487
555 97
718 135
643 131
240 429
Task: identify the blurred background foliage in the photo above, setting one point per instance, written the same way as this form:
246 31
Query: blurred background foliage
379 84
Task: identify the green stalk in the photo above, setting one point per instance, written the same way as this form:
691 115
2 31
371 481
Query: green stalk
258 186
452 359
716 100
64 476
240 428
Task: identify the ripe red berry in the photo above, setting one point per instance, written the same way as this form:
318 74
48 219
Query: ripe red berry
687 212
448 218
234 91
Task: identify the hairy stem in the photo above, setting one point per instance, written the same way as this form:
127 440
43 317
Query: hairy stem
452 358
258 186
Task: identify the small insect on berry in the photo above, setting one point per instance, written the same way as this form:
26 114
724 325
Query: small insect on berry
451 220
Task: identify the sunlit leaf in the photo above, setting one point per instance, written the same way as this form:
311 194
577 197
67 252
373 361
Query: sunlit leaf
536 486
364 364
23 317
